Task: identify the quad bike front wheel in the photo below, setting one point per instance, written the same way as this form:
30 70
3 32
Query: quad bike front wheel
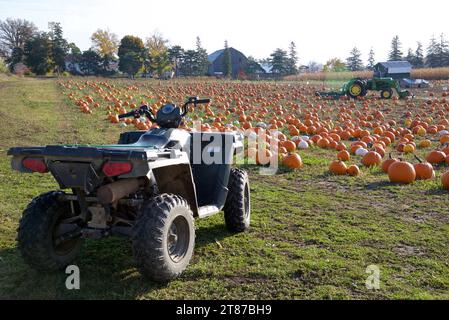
40 239
237 209
164 237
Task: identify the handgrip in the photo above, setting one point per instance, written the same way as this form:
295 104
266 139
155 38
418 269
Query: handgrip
127 115
203 101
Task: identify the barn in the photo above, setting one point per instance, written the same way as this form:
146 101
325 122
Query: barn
238 60
393 69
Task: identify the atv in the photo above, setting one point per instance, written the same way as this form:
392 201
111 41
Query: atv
149 187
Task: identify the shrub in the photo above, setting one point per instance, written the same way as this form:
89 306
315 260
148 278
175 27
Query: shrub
21 69
3 67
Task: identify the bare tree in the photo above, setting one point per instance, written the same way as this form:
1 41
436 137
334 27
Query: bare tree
14 33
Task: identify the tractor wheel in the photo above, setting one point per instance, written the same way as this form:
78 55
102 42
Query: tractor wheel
39 235
386 94
237 209
163 237
357 89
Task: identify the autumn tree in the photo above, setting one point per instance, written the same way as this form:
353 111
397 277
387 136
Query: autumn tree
334 65
159 61
105 43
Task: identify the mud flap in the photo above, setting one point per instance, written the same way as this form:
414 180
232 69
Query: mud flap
177 179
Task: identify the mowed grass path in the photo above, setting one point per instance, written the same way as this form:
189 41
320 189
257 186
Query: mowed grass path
312 234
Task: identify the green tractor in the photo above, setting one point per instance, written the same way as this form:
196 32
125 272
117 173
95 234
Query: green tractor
359 87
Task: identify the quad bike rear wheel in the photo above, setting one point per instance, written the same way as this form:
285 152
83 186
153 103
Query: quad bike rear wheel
164 237
40 240
237 209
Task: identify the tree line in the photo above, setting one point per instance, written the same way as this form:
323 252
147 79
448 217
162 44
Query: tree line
24 48
22 45
436 56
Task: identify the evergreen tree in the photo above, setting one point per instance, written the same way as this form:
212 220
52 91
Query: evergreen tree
279 62
90 62
201 63
59 46
410 57
292 59
175 55
74 50
395 53
38 54
371 60
431 57
442 52
354 61
17 56
419 56
252 66
227 60
187 62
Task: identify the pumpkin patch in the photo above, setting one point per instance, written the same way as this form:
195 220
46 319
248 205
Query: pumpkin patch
285 120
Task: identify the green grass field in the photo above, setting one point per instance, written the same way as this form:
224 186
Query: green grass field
312 236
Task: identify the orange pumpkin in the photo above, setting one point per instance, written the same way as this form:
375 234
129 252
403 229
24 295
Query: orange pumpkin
424 171
343 155
338 167
292 161
371 159
401 172
353 170
115 119
323 143
436 157
289 145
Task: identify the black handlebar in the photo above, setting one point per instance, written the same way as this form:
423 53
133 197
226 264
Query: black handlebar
137 113
194 101
145 111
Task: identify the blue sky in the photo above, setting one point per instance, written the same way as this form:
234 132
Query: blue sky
321 29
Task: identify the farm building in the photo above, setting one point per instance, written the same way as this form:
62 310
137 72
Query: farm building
393 69
238 60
